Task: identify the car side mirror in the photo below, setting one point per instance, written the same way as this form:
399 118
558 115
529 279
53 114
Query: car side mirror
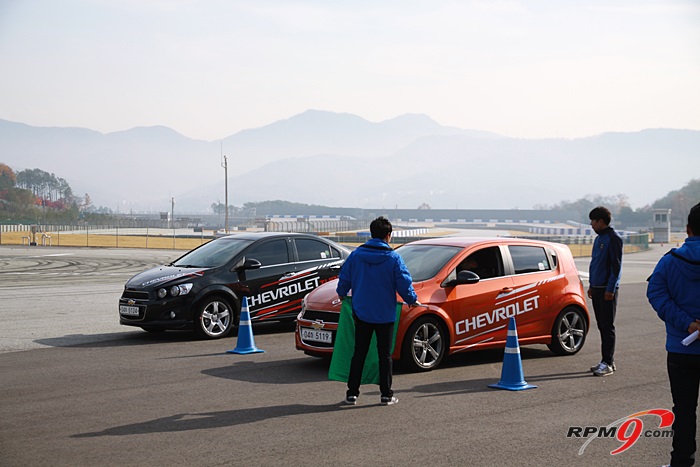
463 277
467 277
247 263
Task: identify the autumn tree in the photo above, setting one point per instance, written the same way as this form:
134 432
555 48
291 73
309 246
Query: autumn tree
7 177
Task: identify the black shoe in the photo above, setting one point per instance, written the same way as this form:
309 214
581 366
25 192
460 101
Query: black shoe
351 400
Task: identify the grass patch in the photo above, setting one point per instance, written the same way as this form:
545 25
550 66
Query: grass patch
103 240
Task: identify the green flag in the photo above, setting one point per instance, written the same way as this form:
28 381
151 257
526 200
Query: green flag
344 348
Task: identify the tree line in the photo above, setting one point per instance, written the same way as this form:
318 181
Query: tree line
679 201
34 194
31 195
44 185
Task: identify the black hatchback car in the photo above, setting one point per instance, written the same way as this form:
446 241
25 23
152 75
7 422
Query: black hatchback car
203 289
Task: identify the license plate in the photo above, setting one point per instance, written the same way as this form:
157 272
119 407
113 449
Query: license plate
316 335
128 310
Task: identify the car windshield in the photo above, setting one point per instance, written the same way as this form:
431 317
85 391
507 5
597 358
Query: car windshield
213 254
424 261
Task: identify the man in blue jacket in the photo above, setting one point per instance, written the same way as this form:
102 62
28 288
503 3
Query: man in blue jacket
674 293
604 276
375 273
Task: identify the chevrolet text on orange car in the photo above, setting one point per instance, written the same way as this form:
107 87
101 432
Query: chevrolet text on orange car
470 287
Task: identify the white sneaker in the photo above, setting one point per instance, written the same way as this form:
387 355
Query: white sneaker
389 400
597 366
604 369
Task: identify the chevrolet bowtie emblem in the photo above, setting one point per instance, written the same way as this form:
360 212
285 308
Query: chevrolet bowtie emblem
317 324
131 302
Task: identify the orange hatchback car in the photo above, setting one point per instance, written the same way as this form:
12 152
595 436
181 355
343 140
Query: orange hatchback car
470 287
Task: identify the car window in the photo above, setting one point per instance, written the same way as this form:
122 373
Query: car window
424 261
529 259
486 263
269 253
309 249
212 254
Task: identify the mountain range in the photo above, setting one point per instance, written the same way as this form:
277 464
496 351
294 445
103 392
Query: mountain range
343 160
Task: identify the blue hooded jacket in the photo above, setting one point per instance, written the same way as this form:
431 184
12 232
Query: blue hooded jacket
674 293
375 273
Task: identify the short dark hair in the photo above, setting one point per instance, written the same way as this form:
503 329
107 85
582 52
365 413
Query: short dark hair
380 227
600 213
694 219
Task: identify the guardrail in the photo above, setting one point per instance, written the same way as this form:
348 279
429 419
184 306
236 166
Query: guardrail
631 242
187 239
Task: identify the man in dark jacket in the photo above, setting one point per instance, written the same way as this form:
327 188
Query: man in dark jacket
674 293
375 273
604 276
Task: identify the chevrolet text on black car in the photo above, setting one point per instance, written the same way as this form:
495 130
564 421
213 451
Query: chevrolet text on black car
203 289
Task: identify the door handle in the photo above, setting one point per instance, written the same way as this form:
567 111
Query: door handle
507 289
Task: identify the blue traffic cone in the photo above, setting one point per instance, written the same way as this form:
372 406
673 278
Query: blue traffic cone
512 373
245 343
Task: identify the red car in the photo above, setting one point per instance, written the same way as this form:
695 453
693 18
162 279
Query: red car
471 288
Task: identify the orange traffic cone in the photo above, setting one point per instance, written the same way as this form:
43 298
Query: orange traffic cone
245 343
512 372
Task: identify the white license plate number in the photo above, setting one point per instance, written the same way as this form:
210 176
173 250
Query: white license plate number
316 335
128 310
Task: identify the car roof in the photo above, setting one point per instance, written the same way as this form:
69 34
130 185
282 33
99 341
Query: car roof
469 241
260 235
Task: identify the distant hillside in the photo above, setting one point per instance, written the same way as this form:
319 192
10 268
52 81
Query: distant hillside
344 160
466 172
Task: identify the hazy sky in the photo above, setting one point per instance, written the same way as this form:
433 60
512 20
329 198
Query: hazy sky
210 68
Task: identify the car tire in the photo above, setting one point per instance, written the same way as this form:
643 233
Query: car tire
424 345
215 317
569 332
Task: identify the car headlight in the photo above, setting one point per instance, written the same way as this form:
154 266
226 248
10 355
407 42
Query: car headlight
175 290
303 305
182 289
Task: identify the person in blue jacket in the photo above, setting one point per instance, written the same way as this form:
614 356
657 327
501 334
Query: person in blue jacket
375 273
674 293
605 271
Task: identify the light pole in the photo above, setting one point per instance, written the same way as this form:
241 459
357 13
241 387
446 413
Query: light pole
224 164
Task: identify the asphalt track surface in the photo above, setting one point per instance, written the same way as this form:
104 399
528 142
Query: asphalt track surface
76 388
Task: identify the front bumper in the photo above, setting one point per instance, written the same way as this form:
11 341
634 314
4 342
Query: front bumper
311 346
162 314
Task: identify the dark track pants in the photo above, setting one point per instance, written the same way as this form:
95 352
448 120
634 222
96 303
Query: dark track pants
605 318
684 375
363 337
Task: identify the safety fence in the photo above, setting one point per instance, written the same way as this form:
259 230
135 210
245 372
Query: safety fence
187 238
101 236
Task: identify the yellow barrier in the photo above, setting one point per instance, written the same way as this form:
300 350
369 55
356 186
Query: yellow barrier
108 240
